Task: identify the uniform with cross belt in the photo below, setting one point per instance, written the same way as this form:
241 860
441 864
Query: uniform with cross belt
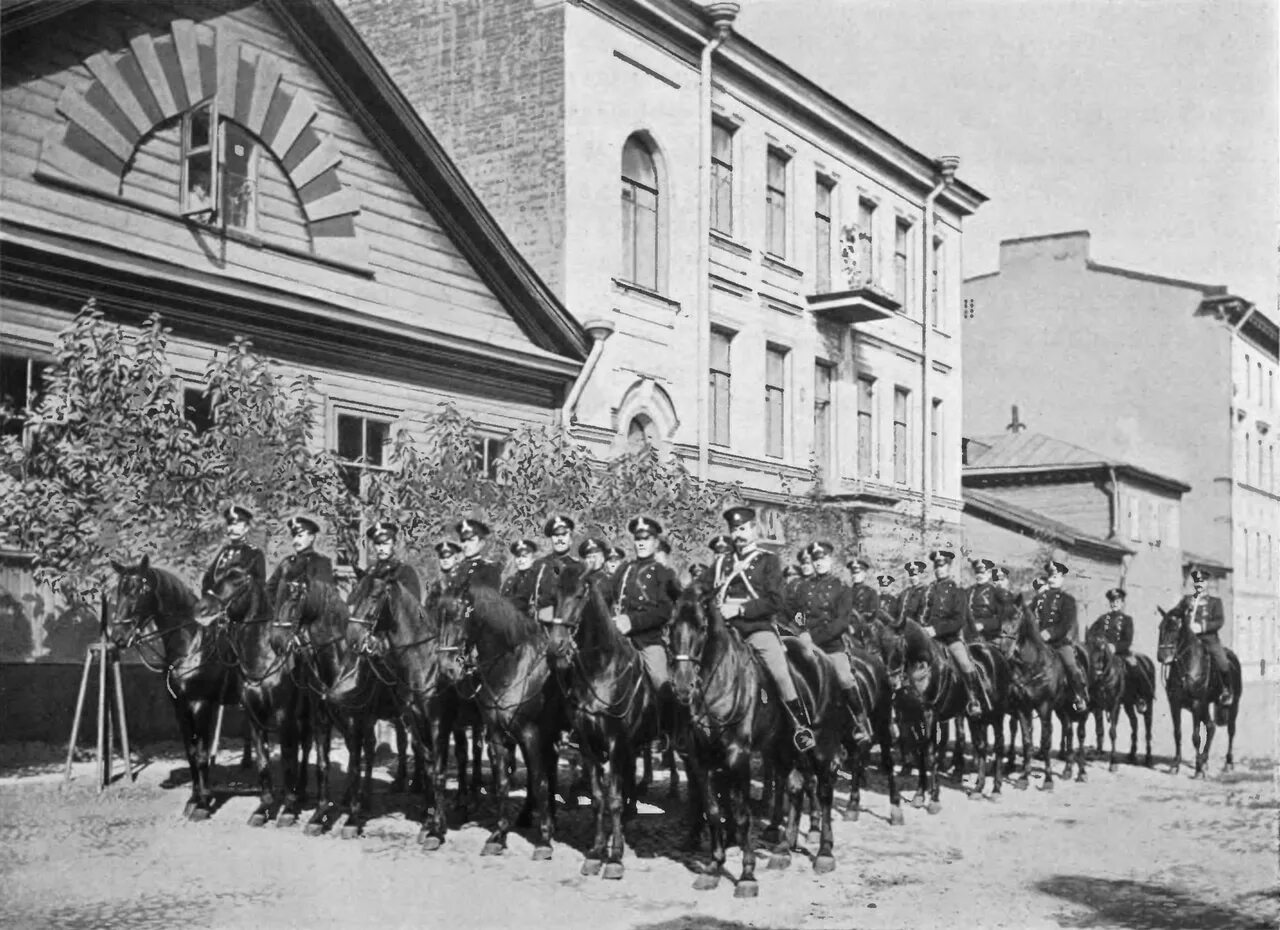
236 555
530 590
1114 627
985 609
646 591
824 603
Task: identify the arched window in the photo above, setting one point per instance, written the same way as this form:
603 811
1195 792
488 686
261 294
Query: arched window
641 203
641 433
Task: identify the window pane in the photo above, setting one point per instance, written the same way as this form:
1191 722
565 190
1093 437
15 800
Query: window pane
198 126
197 408
351 478
720 350
822 199
866 239
239 178
775 362
773 404
628 272
937 453
646 239
822 254
199 192
777 178
721 143
867 465
822 414
637 164
900 470
900 263
350 437
377 435
720 408
722 198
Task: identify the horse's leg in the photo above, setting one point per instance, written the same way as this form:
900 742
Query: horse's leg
353 735
922 752
857 764
826 793
402 758
291 754
739 799
539 757
262 749
931 767
496 844
1113 718
616 758
183 710
793 788
599 803
1177 737
997 755
1146 723
885 726
978 739
460 751
1066 750
1046 742
434 736
322 732
702 783
673 773
776 790
1131 713
1202 756
1081 730
477 758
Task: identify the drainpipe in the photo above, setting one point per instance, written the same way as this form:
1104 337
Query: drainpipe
599 331
1115 502
946 165
722 15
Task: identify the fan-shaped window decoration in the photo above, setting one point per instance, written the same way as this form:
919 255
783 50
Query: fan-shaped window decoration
234 112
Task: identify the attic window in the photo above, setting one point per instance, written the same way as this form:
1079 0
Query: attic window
219 170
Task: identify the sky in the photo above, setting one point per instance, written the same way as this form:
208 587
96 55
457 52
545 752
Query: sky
1151 123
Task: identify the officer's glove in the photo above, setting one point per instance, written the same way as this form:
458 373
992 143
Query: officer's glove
1044 634
930 630
623 623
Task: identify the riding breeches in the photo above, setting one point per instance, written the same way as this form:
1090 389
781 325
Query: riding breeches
1213 646
769 648
1066 651
844 671
960 652
655 665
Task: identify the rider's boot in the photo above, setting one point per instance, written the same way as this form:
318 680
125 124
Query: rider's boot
803 727
973 692
861 722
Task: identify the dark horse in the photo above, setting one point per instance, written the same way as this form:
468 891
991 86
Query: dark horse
1116 685
611 707
1193 684
511 685
928 691
272 701
732 710
154 613
875 698
400 650
1039 685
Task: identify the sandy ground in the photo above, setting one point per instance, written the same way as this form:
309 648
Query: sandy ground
1137 848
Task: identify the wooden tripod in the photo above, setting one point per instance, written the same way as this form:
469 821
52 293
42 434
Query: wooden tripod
105 654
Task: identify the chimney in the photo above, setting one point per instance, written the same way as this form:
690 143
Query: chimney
1015 425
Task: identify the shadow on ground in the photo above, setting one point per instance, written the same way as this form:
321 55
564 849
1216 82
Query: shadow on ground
1146 906
703 922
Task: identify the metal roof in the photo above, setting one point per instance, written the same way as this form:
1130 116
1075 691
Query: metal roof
1019 453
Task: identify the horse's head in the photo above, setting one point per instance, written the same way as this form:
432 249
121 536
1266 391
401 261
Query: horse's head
686 638
451 618
372 604
293 603
1099 652
573 598
230 597
1172 625
893 645
137 603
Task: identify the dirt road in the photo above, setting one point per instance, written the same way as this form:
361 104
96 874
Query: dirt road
1135 848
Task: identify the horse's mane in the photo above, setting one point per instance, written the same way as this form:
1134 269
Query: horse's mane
325 599
172 591
493 616
916 642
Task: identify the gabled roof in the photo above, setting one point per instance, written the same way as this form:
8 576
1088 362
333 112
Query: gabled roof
995 509
1024 453
1192 560
373 100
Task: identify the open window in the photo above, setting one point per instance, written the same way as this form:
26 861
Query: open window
219 170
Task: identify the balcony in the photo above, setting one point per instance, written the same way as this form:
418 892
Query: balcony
865 492
863 304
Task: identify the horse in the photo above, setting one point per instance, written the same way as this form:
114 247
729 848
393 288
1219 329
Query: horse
732 709
152 604
401 649
928 691
612 708
875 697
1039 685
272 701
509 679
1106 690
1193 683
1138 699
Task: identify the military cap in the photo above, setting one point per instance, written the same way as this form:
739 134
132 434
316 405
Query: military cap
941 555
555 524
664 546
1115 594
235 513
1055 568
804 555
615 554
915 567
884 581
697 570
736 516
818 550
588 546
524 547
447 548
860 565
1038 582
468 528
983 565
383 531
1199 574
721 543
999 574
301 524
637 526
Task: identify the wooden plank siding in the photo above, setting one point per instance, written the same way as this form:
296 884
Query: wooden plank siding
417 275
1079 504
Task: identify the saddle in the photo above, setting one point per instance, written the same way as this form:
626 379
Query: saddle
768 687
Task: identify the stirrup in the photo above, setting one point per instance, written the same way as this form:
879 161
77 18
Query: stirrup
1226 698
803 738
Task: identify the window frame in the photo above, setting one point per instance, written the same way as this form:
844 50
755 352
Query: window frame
722 177
392 417
823 227
251 178
868 464
775 400
902 436
824 382
937 470
721 433
776 206
938 284
867 233
189 151
488 460
630 272
902 262
35 364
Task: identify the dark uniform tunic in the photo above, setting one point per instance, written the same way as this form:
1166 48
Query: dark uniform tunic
825 602
890 604
307 565
911 604
1055 612
1207 610
986 608
758 584
236 555
944 610
531 589
868 607
475 572
392 569
1115 627
646 591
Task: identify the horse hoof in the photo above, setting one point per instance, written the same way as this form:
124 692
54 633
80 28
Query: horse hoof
814 837
918 801
286 820
933 807
824 864
851 815
613 871
1081 778
974 795
541 853
257 819
779 861
1113 767
706 882
493 849
430 843
188 809
1047 786
747 889
313 829
350 831
895 817
199 813
592 866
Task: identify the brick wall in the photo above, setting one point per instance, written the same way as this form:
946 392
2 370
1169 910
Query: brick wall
487 77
